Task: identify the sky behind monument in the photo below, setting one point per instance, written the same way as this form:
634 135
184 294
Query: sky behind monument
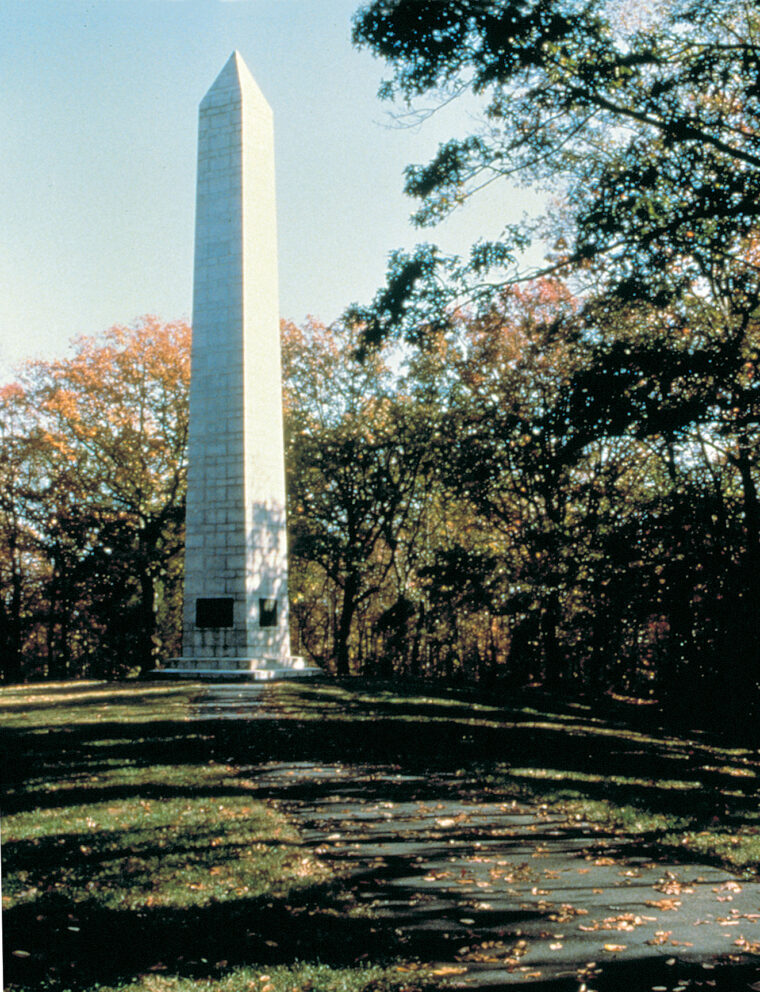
97 175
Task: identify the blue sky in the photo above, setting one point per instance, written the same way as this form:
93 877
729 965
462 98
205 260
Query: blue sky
98 110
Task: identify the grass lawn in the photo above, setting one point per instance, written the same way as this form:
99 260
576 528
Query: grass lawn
689 793
135 855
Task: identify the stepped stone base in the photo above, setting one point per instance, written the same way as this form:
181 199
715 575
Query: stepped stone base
238 669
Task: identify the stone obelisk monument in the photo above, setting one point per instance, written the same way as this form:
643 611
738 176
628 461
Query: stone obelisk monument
236 591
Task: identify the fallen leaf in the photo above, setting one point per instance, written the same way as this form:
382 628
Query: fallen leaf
615 948
671 885
748 946
566 912
728 887
664 904
660 937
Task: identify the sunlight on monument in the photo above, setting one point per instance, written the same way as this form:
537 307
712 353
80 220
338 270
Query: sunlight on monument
236 566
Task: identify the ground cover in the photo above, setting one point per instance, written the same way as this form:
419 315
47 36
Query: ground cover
134 857
692 793
138 855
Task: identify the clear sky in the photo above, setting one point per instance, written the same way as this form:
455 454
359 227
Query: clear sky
98 116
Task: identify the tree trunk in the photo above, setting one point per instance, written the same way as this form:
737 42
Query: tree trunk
348 608
58 646
11 624
549 642
743 678
13 643
419 627
149 649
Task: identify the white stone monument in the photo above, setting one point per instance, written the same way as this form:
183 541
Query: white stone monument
236 590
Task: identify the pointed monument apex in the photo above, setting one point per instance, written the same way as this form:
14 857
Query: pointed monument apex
236 566
234 77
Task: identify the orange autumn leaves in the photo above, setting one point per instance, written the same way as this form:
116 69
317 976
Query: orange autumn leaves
120 403
92 475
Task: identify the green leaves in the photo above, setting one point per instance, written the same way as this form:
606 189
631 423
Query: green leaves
647 127
413 303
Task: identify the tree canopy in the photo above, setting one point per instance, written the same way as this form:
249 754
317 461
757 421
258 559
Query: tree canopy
93 501
643 120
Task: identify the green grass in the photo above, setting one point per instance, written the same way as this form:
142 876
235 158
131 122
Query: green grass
301 977
133 858
690 794
137 856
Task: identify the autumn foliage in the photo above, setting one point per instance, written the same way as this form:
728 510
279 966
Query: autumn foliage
534 496
530 498
91 520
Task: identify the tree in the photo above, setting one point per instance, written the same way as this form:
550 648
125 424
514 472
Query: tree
350 473
684 379
21 567
105 435
647 124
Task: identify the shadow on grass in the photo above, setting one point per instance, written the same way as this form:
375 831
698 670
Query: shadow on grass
78 943
89 944
21 802
629 767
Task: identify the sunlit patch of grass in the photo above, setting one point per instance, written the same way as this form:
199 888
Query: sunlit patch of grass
678 832
626 819
739 848
627 781
629 819
732 770
54 704
294 978
158 851
566 792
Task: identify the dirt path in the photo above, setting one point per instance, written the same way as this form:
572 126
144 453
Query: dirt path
497 894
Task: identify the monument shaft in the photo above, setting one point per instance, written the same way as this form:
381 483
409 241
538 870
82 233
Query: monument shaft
236 597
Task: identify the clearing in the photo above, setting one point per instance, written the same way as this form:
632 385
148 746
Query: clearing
350 836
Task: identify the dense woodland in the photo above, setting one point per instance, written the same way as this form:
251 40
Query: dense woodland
531 477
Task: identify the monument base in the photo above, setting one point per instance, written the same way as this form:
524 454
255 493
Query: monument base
238 669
